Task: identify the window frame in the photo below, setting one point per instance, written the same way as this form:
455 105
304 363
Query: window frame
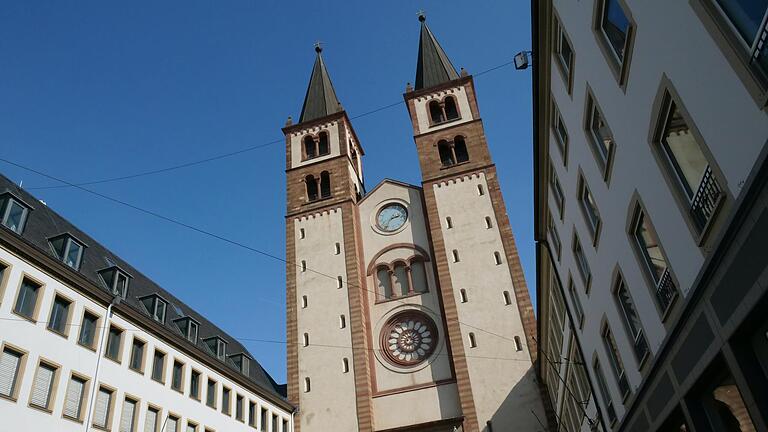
634 339
198 395
555 186
583 191
615 361
566 70
5 275
7 199
23 356
110 414
585 278
211 403
84 397
39 293
561 141
619 67
182 380
68 240
604 163
577 306
142 365
136 410
97 329
163 374
121 344
607 399
156 300
52 386
67 320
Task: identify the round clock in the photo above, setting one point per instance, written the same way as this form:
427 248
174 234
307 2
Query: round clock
391 217
409 338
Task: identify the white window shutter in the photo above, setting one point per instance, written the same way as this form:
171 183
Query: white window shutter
126 417
9 365
150 421
73 398
102 408
41 387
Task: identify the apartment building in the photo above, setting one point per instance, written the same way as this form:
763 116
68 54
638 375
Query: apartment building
89 343
651 213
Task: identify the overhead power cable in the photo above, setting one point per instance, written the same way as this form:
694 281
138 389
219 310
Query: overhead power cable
228 154
227 240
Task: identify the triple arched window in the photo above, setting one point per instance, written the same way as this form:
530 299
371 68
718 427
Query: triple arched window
318 187
316 146
401 278
443 111
453 152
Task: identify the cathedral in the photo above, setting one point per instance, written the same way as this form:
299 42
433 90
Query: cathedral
407 308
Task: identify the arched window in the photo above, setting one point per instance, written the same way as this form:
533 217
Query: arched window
460 149
518 344
325 184
310 149
400 275
463 295
342 321
472 340
497 258
448 222
303 265
307 385
436 112
446 153
451 112
480 190
323 148
303 302
384 282
311 187
306 339
455 255
339 282
345 365
418 276
488 223
507 298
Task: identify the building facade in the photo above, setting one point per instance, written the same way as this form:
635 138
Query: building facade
650 131
89 343
407 305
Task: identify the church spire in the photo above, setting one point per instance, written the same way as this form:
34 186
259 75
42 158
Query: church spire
433 67
321 99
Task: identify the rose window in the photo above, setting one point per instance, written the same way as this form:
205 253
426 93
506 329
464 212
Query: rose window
409 338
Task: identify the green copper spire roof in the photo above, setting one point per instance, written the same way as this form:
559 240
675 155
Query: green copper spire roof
321 99
433 67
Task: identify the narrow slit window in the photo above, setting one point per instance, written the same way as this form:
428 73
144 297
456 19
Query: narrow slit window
507 298
518 344
342 321
344 365
448 223
497 258
463 295
306 339
302 233
42 386
337 249
455 256
339 282
303 265
307 387
303 302
480 190
472 341
488 223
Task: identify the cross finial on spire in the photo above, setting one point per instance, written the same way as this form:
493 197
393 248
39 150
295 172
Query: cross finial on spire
422 15
318 47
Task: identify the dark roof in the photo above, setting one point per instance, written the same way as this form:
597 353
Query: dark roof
433 66
321 99
44 223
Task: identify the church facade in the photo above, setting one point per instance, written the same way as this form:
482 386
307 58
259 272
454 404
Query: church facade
407 308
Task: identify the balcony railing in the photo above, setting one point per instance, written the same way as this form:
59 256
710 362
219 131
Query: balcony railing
641 346
705 201
665 290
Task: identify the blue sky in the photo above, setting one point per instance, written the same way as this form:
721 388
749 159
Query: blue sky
94 89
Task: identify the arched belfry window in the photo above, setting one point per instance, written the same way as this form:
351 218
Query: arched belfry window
310 147
311 183
446 153
451 112
325 184
384 282
323 148
436 112
418 275
401 284
460 149
400 277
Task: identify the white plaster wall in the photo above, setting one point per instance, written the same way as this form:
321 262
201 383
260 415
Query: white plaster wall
42 343
733 127
501 376
418 406
422 110
332 128
330 405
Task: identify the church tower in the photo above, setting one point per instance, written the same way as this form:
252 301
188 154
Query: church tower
407 305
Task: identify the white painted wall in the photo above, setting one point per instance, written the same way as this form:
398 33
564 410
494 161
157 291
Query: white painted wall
732 125
42 343
422 110
330 405
496 368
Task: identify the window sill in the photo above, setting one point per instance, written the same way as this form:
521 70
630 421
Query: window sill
41 409
318 200
58 333
162 383
138 371
443 167
72 419
444 122
114 360
90 348
102 428
415 294
13 399
26 318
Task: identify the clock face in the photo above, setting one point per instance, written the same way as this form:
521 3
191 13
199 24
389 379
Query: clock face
409 338
391 217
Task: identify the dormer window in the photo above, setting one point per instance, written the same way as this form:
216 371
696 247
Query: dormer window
68 249
156 307
13 213
189 328
116 280
218 346
242 362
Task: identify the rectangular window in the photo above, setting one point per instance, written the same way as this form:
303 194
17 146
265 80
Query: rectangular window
128 416
252 413
87 335
599 135
42 386
114 342
173 424
137 355
73 399
26 301
561 133
606 397
615 360
151 420
263 419
194 385
581 261
13 214
564 54
239 408
102 411
553 235
579 312
68 250
689 166
59 319
631 320
226 396
748 18
158 366
648 248
557 190
589 208
177 378
210 395
191 427
275 423
615 27
155 306
10 364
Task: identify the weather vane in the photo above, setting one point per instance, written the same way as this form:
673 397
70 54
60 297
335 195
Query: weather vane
318 46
